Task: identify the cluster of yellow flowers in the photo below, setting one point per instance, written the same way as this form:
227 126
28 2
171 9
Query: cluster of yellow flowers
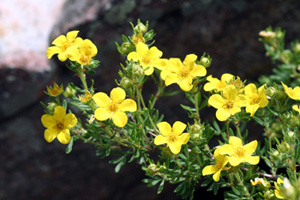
173 70
73 48
230 95
233 153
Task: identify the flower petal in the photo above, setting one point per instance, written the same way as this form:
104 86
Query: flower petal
50 135
102 114
185 84
141 48
198 70
253 160
70 120
101 99
184 138
222 114
235 141
178 127
133 56
52 50
160 139
119 119
164 128
63 56
64 136
155 53
250 147
175 147
250 89
128 105
72 35
59 113
59 40
117 95
226 149
88 48
216 100
217 176
235 160
210 169
48 121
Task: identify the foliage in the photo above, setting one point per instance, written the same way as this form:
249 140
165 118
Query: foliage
127 125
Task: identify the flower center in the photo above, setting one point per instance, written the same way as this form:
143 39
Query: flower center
65 45
239 151
172 138
59 126
183 73
84 59
113 107
228 104
255 100
146 59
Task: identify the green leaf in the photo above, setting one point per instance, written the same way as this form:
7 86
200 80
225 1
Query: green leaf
69 146
160 187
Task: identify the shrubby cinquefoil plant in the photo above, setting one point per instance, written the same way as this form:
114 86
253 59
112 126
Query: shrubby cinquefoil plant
129 126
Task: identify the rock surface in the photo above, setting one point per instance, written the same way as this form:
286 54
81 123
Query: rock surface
34 169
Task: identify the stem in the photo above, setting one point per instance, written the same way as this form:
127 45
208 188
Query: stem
82 77
238 130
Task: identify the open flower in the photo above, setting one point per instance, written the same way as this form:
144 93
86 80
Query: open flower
278 190
114 107
58 125
256 98
84 53
146 57
184 72
216 169
216 84
239 153
55 90
292 93
260 181
62 45
227 104
172 136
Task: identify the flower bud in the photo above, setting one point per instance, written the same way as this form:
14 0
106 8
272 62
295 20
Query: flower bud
296 48
51 106
270 91
291 134
85 98
294 121
69 92
140 28
125 82
284 147
137 70
205 61
152 169
286 56
269 195
126 48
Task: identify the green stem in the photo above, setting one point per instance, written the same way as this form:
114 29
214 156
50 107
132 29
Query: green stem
82 77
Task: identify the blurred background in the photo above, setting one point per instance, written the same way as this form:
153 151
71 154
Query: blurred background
30 168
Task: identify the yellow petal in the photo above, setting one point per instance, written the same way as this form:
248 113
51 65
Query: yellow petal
63 56
73 53
235 161
64 136
296 108
226 149
235 141
198 70
250 147
101 99
227 77
253 160
72 35
210 169
216 100
250 89
184 138
185 84
88 48
190 59
59 113
141 48
70 120
222 114
148 70
119 119
117 95
175 147
59 40
164 128
178 127
217 176
230 92
50 135
160 139
52 50
154 52
102 114
128 105
252 109
133 56
48 121
170 79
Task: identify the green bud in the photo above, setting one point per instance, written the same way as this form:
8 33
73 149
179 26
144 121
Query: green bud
270 91
137 70
152 169
51 106
125 82
69 92
275 155
205 61
94 64
269 195
126 48
296 48
140 28
294 121
286 56
284 147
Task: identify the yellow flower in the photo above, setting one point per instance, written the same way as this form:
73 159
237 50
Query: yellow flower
146 57
260 181
278 191
216 84
84 53
292 93
256 98
239 153
296 108
216 169
138 38
183 73
62 44
58 125
55 90
172 136
228 104
114 107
